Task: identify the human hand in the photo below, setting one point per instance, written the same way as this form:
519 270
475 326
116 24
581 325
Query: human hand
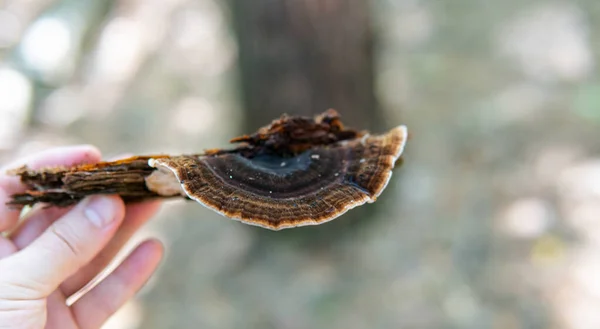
53 253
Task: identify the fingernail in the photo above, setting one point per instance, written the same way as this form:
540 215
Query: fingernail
100 210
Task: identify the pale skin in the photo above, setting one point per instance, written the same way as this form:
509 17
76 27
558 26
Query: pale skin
52 253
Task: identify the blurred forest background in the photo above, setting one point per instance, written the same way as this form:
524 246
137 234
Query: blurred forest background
492 222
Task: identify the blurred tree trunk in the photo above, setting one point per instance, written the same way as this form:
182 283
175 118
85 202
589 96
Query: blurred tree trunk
305 56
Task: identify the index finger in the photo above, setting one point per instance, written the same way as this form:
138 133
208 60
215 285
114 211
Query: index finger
60 156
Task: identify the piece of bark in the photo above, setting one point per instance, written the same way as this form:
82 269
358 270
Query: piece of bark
65 186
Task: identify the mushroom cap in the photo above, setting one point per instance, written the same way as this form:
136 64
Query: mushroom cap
302 173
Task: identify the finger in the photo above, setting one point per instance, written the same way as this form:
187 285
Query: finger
40 218
135 216
66 246
61 156
7 248
95 307
58 313
35 223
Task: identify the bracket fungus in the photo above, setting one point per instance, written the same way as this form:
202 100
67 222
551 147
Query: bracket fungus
296 171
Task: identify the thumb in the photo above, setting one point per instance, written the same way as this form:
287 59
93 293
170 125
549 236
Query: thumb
66 246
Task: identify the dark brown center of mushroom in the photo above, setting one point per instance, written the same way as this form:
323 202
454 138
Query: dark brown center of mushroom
278 165
282 177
